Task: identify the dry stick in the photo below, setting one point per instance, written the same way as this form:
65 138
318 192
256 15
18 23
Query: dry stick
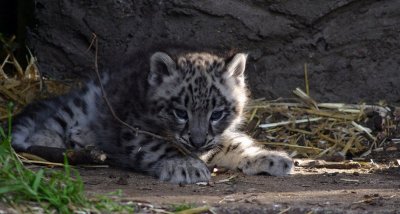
181 149
306 79
33 60
2 66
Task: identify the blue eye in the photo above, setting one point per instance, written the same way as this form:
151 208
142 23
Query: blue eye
181 114
216 115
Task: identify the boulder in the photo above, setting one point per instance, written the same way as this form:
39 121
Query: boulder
351 48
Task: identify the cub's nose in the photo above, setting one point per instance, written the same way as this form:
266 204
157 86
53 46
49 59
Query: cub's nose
197 142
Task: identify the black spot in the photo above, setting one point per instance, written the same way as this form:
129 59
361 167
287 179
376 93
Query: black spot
180 94
234 109
213 154
129 149
84 89
127 136
81 104
197 174
190 88
155 147
228 149
214 64
71 144
139 157
77 102
68 111
183 172
161 157
271 164
84 108
213 102
60 121
175 99
286 166
169 150
151 164
186 100
234 147
211 130
247 164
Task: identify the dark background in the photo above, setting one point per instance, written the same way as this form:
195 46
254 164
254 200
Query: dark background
351 47
15 17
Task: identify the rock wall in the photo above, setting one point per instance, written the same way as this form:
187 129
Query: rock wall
351 47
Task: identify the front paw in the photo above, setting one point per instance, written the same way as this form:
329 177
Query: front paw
267 162
184 170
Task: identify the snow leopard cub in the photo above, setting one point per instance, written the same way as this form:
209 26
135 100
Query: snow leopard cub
195 99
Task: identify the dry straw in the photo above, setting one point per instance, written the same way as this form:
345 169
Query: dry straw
319 130
24 84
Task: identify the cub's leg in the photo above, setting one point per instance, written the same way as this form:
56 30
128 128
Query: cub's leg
239 151
155 157
61 122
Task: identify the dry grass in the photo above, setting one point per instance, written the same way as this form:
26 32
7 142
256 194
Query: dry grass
321 130
22 85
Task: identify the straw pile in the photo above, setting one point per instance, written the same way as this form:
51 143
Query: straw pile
332 131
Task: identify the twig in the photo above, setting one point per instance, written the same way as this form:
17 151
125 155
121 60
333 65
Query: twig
50 155
292 145
33 62
363 129
306 79
182 149
269 125
195 210
305 98
2 66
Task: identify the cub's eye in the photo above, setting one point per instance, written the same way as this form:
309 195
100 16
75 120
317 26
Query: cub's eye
181 114
216 115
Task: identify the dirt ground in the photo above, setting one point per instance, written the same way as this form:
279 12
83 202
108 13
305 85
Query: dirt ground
308 190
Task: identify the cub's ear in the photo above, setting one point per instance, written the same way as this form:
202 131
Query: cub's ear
237 65
161 66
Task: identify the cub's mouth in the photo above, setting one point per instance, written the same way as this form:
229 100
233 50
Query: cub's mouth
186 145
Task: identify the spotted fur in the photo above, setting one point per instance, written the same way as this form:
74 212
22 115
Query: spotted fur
194 99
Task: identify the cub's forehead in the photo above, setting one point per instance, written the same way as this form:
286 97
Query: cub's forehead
201 62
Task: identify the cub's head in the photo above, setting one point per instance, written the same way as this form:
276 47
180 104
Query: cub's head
197 96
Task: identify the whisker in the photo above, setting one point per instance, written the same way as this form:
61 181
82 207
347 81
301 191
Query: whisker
208 145
185 142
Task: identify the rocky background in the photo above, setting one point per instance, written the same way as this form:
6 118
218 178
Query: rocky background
351 47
